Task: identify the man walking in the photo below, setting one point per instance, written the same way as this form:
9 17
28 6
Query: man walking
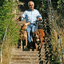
31 15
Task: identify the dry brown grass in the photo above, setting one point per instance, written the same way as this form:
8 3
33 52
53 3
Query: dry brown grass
7 49
61 30
62 36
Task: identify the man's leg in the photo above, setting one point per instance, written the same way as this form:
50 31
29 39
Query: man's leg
29 36
34 28
28 32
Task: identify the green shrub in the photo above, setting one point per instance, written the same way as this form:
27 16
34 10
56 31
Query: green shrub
6 17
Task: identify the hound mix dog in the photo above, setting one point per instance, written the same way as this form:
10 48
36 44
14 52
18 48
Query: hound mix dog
24 33
38 38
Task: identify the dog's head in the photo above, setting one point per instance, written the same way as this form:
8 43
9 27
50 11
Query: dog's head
36 34
25 25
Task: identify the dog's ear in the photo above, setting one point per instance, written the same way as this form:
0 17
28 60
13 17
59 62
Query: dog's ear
23 24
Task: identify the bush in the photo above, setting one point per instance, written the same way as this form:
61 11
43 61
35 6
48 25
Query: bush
6 17
38 5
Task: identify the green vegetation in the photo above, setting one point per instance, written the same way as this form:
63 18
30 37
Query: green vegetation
6 10
7 19
6 16
39 5
60 4
1 2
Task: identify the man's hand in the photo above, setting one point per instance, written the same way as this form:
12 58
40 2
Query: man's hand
20 17
39 19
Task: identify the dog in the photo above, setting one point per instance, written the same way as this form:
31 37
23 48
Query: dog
23 33
38 37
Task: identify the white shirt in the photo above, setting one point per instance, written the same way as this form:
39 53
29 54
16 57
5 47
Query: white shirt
31 16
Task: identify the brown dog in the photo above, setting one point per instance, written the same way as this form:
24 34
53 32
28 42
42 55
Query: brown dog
24 33
39 35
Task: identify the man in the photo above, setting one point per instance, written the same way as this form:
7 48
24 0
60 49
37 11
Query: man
31 15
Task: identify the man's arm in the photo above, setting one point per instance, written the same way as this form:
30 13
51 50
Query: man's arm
23 16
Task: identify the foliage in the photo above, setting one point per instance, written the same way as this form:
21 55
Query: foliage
1 2
60 4
45 4
39 3
6 17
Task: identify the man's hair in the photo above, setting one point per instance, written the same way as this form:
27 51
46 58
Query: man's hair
30 1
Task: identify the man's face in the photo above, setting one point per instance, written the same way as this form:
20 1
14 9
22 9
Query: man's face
31 6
